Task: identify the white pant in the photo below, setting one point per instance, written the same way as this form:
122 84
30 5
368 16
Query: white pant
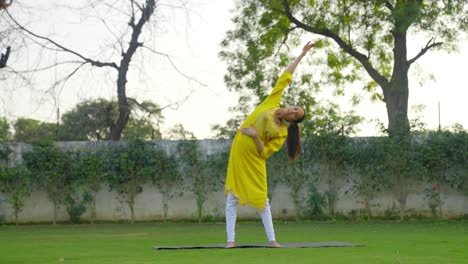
231 204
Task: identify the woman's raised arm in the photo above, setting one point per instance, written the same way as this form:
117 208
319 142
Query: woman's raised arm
294 64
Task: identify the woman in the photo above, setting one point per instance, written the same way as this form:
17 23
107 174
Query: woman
263 133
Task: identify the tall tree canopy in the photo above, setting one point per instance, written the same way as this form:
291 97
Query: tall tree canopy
128 31
369 36
32 131
5 133
92 120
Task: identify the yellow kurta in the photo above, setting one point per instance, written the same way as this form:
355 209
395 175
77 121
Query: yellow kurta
246 174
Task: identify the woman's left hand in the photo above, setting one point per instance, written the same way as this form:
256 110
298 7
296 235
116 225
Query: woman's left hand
249 131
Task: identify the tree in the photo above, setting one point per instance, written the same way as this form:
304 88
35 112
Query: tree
51 168
276 166
296 176
202 172
367 162
371 36
5 133
192 168
129 39
32 131
178 132
15 181
166 177
129 171
328 147
444 155
90 168
88 121
144 121
141 129
92 120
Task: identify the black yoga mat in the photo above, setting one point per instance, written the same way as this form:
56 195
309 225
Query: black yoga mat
285 245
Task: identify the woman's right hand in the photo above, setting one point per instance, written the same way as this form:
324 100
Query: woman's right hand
249 131
307 47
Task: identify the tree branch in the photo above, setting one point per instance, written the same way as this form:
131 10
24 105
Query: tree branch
363 59
174 66
85 59
146 13
173 106
176 105
389 5
4 58
66 78
151 112
49 66
285 39
430 44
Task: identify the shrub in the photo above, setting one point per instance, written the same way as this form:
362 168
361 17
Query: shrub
76 206
316 201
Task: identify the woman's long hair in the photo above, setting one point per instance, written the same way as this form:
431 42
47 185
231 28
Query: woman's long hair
293 141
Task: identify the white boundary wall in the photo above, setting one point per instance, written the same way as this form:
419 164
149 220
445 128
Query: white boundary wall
148 204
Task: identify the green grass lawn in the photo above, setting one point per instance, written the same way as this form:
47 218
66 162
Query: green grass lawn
385 242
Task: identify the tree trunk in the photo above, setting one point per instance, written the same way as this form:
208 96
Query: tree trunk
296 195
397 111
165 205
439 200
397 92
132 211
124 109
16 216
93 209
200 211
401 198
55 213
402 204
332 187
16 204
200 201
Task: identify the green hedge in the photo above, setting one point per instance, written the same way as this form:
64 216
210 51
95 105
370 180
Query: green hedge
373 166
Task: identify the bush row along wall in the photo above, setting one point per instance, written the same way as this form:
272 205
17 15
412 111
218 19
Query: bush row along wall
288 201
148 207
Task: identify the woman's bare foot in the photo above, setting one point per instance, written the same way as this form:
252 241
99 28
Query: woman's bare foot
274 244
230 245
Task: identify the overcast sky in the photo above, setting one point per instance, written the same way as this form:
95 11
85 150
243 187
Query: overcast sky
191 36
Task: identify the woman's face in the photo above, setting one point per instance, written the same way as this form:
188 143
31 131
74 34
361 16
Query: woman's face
293 113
